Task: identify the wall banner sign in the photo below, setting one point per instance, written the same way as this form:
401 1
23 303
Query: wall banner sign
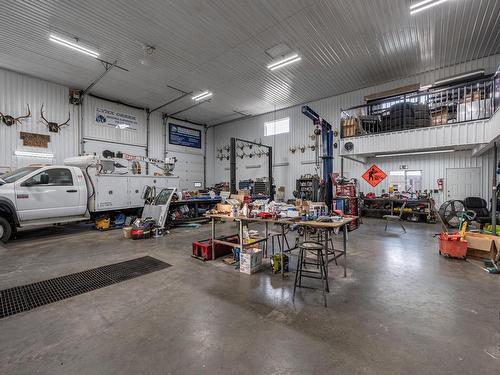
118 120
183 136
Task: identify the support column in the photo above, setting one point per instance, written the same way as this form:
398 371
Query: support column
494 191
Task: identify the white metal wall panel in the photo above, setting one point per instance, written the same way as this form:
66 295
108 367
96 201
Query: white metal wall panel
330 109
93 130
432 167
16 91
156 136
462 134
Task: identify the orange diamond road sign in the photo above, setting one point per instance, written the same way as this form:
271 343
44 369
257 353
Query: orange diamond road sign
374 175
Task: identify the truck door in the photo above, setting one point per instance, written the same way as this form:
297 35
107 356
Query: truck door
53 192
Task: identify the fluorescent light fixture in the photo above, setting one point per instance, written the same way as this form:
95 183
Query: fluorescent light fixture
425 4
416 153
284 62
30 154
203 95
474 73
425 87
420 3
73 45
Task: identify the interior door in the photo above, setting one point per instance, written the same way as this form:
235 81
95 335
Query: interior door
48 194
462 183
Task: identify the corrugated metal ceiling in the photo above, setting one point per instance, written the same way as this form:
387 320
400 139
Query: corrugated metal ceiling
220 45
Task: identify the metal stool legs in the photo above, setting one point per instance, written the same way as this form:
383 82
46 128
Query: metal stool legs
303 272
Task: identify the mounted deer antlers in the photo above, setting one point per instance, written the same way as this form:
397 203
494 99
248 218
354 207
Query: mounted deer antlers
9 120
54 127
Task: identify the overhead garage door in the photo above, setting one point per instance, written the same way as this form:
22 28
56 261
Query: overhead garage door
189 168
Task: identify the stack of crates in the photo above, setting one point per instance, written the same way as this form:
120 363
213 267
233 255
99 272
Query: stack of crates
347 200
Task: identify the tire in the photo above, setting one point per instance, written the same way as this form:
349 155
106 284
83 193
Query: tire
5 230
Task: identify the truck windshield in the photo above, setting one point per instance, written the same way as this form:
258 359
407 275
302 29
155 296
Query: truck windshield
16 175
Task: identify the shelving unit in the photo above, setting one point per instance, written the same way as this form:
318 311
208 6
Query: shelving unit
193 214
418 210
346 199
307 187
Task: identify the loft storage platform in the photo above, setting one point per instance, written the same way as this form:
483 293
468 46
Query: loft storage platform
471 101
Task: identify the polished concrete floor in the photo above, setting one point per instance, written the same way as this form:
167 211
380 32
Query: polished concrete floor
402 309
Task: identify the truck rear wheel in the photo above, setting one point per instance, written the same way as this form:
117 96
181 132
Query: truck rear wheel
5 230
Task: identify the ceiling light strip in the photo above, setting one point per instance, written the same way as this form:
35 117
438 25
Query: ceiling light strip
204 94
420 3
286 63
75 46
416 153
282 61
427 6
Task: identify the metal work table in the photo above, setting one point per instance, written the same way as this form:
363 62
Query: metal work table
327 227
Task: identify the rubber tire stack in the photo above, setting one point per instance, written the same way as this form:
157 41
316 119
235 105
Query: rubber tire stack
402 116
422 115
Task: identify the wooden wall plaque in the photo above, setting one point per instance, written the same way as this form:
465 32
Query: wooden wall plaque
35 140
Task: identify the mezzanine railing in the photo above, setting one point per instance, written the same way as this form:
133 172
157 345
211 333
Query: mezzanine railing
471 101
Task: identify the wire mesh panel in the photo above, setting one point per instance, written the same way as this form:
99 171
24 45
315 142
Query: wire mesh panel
27 297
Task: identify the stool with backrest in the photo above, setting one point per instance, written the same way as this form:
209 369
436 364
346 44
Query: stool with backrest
395 218
316 249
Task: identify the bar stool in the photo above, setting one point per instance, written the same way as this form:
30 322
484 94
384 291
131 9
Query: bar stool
318 261
278 236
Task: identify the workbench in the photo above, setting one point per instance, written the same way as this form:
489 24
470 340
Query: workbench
327 227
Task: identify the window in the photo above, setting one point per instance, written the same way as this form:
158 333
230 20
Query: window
277 127
56 177
406 181
17 174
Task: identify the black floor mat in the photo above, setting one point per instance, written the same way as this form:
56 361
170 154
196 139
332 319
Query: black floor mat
27 297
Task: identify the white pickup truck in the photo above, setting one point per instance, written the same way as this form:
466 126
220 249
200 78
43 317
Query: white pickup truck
76 191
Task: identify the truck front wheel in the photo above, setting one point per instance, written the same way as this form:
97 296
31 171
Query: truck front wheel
5 230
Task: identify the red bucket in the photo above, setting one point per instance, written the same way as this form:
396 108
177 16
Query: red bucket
452 245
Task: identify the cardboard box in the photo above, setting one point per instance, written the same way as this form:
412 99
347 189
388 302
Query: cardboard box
250 260
239 197
223 208
483 246
243 192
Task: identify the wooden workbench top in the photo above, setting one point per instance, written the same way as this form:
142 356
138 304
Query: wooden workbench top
287 221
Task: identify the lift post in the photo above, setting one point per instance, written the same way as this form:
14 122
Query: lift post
327 140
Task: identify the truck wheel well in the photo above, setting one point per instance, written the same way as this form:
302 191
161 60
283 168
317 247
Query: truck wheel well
6 214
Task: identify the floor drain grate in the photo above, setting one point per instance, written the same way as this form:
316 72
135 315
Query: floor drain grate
27 297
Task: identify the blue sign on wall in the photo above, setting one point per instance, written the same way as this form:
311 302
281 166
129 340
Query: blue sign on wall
183 136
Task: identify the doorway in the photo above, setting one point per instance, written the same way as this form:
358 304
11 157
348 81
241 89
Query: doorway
462 183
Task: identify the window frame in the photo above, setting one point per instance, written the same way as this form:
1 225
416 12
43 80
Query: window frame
50 184
404 173
273 125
